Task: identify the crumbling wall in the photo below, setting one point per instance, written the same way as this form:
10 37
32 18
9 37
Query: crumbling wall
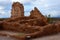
36 13
17 10
19 27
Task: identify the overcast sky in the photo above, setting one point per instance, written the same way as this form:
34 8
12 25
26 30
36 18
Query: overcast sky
46 7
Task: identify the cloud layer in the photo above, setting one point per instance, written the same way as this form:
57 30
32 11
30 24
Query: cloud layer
47 7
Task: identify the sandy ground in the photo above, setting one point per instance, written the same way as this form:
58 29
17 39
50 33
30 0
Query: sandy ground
51 37
7 38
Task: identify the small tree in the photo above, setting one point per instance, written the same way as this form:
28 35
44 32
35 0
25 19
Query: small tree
49 18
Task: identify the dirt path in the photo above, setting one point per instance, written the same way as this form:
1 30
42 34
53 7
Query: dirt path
6 35
51 37
8 32
7 38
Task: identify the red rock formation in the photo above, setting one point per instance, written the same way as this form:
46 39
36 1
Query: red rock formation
20 23
36 13
17 10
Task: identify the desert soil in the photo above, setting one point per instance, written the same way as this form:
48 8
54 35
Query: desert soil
7 38
51 37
